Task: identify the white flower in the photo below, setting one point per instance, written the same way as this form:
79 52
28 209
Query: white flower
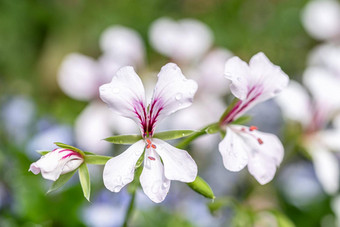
124 44
314 116
183 41
253 83
79 76
57 162
125 95
321 19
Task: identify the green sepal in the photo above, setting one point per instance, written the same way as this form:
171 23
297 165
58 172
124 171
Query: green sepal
241 120
85 182
43 152
89 153
66 146
124 139
229 108
171 135
96 159
212 129
61 181
202 187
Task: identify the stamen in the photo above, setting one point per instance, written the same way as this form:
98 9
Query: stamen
148 141
260 141
151 158
252 128
153 146
148 146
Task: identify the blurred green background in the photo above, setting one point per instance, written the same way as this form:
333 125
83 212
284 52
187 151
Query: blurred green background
35 35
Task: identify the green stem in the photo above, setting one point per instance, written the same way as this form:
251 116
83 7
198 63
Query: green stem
130 209
185 142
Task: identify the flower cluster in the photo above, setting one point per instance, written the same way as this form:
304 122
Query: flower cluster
125 96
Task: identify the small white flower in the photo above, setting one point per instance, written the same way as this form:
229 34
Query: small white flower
314 116
57 162
125 95
183 41
321 19
252 84
124 44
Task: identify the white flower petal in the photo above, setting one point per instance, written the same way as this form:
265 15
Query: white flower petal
172 92
271 146
234 151
261 167
123 43
92 127
295 103
185 40
326 167
330 138
79 77
270 76
178 164
119 171
324 86
238 72
125 94
155 185
321 19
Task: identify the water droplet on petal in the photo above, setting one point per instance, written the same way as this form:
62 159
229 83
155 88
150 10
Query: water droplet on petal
165 184
115 90
179 96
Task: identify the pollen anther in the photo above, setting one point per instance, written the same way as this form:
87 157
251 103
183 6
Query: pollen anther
252 128
151 158
260 141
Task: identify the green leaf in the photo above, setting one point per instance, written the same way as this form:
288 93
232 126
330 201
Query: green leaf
89 153
96 159
241 120
43 152
66 146
124 139
84 178
202 187
212 129
171 135
61 181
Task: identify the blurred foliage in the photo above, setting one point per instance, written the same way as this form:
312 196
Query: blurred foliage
36 34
